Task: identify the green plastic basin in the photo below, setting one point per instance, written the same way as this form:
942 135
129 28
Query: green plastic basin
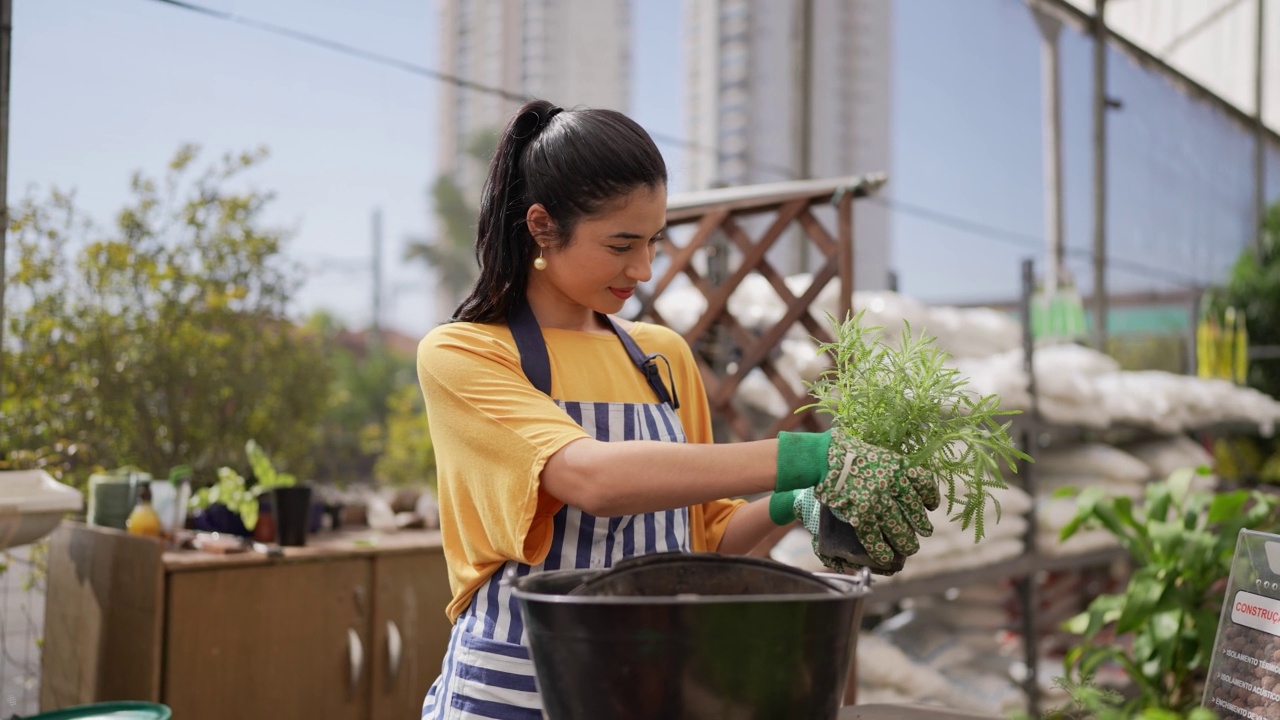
109 711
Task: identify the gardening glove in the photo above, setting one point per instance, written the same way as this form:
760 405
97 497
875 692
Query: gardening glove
868 487
875 491
791 505
806 459
802 460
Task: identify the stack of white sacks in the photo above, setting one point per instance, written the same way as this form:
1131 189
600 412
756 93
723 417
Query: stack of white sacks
1119 472
1076 386
1080 387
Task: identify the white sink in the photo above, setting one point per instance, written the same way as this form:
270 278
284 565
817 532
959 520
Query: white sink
32 504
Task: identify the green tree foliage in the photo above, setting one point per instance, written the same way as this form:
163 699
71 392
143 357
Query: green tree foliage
161 340
407 455
452 253
1254 285
365 377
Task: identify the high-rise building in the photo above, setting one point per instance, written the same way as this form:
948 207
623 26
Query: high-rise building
752 63
571 52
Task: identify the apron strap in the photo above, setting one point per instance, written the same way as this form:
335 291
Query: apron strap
648 366
531 346
537 365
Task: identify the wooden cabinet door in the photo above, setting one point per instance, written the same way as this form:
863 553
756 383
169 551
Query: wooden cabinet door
286 641
411 593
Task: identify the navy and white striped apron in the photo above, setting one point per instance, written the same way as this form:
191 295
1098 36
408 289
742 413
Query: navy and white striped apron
487 672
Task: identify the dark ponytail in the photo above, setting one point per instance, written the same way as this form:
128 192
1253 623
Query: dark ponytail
574 163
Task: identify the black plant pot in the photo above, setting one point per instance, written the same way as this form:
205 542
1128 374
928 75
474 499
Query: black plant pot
293 514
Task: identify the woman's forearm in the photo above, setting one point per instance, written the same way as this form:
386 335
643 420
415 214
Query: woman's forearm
639 476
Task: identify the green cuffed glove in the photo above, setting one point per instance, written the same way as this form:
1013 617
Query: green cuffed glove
870 488
790 505
802 460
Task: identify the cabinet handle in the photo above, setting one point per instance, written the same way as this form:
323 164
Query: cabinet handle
355 653
395 650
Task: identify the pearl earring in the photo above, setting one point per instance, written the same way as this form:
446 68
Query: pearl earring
539 263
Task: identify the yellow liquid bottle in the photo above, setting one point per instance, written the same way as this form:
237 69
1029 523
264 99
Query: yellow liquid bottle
144 520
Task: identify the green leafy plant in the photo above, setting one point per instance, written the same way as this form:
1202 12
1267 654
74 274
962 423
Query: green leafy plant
268 477
233 491
1087 700
406 455
906 399
1161 628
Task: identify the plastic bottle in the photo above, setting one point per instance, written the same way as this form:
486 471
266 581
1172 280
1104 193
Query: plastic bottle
144 520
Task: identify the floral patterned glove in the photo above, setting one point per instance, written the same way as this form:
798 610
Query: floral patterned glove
868 487
873 490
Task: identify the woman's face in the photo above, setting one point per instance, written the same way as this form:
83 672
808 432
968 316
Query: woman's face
601 264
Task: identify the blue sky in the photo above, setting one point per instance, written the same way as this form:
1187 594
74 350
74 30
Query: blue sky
101 88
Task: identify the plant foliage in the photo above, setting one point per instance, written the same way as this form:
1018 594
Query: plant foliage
161 340
906 399
1162 627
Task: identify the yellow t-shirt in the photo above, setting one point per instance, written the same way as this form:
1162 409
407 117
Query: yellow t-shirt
493 433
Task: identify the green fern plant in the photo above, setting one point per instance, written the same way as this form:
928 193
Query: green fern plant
906 399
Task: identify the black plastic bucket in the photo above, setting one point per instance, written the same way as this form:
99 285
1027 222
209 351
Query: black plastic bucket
679 635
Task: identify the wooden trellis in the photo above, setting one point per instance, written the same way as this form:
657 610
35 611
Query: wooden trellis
718 218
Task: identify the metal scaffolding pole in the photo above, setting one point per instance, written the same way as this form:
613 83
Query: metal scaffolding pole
1100 177
1050 27
1260 135
6 49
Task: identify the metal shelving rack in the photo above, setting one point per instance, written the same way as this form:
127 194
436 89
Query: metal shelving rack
1026 568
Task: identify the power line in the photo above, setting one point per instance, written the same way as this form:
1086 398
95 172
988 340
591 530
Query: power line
958 223
1030 242
415 69
345 49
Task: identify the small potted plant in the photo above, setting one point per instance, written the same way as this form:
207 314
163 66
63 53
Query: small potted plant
290 501
232 506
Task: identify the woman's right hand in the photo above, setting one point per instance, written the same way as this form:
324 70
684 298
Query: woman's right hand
868 487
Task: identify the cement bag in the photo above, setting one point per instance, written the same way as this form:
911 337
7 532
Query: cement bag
799 360
1084 541
973 332
681 307
889 310
1141 399
755 304
757 392
1166 456
1095 459
1084 412
1067 372
1000 375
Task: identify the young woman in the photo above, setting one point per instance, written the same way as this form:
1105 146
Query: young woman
566 438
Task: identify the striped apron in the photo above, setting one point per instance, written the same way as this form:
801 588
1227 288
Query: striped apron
487 672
